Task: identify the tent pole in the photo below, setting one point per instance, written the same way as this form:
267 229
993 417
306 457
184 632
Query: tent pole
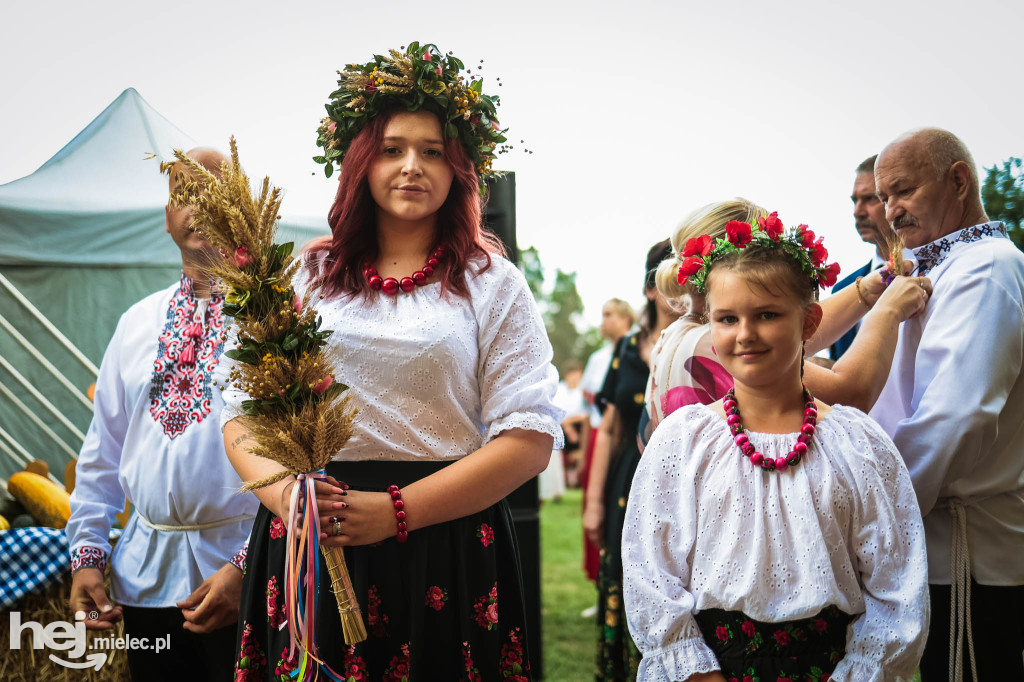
41 359
64 341
41 398
37 421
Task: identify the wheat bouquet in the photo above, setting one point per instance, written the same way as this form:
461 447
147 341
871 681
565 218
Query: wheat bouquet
299 416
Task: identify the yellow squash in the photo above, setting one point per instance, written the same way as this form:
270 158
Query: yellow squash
4 524
47 503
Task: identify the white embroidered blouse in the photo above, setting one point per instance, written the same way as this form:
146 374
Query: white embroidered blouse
437 377
706 529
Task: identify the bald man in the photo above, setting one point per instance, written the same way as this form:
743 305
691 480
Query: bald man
954 401
155 438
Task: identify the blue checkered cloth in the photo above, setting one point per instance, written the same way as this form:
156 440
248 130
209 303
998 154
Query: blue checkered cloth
31 559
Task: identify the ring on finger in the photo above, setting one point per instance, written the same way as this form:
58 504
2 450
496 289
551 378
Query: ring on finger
335 525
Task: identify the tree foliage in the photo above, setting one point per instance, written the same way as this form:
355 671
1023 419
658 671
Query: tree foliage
562 308
1003 195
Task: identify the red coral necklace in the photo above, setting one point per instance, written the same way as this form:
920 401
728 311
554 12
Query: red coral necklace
391 286
732 410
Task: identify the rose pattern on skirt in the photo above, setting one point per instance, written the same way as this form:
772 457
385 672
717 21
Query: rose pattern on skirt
398 669
436 597
486 535
486 609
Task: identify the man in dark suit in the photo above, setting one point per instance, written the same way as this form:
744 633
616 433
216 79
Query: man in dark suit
869 216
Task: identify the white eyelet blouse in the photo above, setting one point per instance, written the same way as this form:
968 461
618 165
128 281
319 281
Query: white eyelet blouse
706 529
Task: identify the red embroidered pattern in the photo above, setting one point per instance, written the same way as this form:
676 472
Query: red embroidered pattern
88 557
181 393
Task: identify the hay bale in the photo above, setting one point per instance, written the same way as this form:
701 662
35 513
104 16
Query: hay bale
28 664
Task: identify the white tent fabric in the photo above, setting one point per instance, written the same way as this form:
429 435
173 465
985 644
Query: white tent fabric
82 238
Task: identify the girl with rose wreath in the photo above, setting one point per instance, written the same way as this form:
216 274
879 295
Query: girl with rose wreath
770 535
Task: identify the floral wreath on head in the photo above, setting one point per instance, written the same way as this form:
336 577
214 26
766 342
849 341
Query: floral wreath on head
420 77
799 243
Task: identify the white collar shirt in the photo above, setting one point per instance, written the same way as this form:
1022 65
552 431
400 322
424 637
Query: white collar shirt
954 402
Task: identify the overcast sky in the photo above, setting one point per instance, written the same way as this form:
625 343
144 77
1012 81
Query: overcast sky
637 112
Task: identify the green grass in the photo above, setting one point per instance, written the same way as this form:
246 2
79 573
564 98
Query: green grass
570 642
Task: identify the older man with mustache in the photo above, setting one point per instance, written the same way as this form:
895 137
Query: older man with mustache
954 404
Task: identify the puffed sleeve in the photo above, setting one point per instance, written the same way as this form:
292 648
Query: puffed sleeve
887 538
658 535
516 378
98 497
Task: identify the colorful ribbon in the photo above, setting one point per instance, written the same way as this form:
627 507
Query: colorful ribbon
302 580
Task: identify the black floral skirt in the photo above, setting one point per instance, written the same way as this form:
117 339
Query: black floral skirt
445 605
748 650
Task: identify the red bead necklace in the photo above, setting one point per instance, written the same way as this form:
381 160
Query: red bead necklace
391 286
732 409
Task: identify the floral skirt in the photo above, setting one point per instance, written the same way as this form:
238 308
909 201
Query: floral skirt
445 605
748 650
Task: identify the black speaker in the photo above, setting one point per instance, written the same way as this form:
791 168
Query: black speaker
500 220
500 212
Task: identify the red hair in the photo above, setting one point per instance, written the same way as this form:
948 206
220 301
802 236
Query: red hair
354 229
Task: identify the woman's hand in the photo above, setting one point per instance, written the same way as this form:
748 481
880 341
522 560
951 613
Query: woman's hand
906 297
593 522
363 517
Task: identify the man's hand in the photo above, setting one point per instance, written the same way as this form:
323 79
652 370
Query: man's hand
215 603
89 595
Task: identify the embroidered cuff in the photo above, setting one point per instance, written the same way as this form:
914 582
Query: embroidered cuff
239 558
88 557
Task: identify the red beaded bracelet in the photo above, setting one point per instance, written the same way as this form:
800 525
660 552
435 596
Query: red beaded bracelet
403 528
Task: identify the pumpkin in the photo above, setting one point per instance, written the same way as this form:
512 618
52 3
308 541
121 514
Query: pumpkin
47 503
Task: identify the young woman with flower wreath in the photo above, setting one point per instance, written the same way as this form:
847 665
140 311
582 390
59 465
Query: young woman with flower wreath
768 535
439 341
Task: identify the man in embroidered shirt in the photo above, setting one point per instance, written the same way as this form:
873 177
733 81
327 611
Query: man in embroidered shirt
155 438
869 219
954 402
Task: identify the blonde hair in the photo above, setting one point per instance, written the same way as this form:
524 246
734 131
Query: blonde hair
709 220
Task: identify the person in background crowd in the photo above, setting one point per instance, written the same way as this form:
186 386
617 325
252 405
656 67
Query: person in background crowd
873 228
155 438
954 404
616 455
617 318
576 424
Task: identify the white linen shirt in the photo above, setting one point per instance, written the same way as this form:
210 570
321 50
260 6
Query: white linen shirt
181 480
434 377
954 405
706 529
